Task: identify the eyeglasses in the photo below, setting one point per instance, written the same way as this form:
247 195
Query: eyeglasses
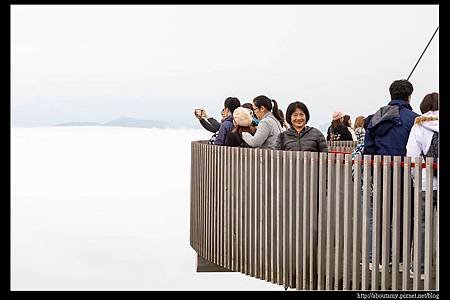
255 109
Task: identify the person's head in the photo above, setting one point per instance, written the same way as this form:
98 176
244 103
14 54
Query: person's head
347 121
248 105
401 90
242 116
297 115
359 122
230 104
430 103
337 118
263 105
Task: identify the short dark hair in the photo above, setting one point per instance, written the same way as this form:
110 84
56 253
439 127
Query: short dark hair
291 109
232 103
401 89
247 105
430 102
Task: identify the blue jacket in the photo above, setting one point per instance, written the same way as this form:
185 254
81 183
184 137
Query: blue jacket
388 130
225 128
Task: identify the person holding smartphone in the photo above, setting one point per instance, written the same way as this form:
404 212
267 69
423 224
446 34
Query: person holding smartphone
209 123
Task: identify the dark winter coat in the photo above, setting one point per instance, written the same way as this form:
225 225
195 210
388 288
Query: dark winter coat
225 128
339 133
388 130
210 124
309 139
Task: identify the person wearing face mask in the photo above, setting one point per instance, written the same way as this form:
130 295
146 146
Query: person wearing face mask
300 137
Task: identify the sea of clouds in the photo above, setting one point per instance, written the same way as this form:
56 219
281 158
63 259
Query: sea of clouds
106 208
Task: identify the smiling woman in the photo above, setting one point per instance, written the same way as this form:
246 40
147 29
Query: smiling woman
300 137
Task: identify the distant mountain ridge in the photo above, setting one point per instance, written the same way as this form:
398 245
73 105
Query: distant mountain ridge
130 122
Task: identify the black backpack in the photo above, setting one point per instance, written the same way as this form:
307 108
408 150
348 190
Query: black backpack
433 151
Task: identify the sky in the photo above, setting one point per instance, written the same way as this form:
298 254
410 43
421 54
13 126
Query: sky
95 63
102 208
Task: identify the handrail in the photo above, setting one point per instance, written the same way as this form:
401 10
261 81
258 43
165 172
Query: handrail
298 219
424 165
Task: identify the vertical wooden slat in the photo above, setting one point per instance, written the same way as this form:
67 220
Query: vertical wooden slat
314 161
386 222
230 204
321 231
221 205
208 193
241 209
298 221
261 199
256 206
428 251
194 200
246 210
339 228
437 229
215 203
284 224
252 213
306 222
376 221
202 197
292 188
273 224
329 280
192 194
234 176
348 213
267 213
227 210
396 186
225 207
417 249
406 221
367 182
357 223
279 208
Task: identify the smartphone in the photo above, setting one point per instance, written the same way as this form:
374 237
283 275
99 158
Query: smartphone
198 111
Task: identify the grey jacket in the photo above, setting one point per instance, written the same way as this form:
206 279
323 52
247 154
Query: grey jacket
309 139
266 133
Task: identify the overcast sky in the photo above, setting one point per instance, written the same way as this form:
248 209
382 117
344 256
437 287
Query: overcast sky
97 63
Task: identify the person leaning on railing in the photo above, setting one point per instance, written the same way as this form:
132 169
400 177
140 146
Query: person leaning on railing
230 104
270 125
348 123
242 120
387 133
423 142
300 137
337 131
359 130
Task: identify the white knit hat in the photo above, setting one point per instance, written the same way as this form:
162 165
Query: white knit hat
242 116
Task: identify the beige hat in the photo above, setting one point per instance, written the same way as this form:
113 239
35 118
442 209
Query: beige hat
242 116
337 115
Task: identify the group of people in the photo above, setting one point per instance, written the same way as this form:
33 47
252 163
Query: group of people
394 129
341 128
261 124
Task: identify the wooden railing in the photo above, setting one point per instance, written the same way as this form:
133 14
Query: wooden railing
341 146
298 219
